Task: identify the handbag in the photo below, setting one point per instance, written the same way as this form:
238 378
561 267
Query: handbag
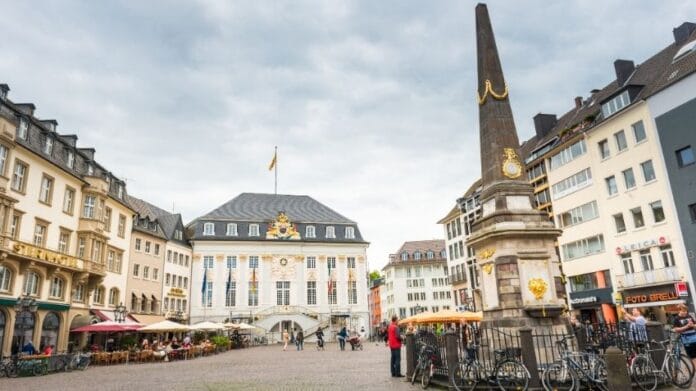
688 339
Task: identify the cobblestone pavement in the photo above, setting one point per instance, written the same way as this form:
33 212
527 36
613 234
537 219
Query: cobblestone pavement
257 368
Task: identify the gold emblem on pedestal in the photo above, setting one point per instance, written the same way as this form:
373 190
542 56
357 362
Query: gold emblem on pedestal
488 268
537 287
487 253
511 165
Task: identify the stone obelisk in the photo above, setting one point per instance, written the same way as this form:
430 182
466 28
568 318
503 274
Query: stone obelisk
514 242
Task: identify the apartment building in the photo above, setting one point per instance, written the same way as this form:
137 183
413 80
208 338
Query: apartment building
65 227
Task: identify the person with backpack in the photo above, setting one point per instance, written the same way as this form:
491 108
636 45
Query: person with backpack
685 325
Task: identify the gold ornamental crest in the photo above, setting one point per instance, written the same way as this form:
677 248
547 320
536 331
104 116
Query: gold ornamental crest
511 165
487 253
537 287
488 268
281 228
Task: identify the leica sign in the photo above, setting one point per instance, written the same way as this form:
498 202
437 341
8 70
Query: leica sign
642 245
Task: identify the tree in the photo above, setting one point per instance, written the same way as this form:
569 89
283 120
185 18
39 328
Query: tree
374 275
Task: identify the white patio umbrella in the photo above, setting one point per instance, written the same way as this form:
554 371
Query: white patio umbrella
207 326
164 326
244 326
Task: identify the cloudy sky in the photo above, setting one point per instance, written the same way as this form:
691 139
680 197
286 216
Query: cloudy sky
371 103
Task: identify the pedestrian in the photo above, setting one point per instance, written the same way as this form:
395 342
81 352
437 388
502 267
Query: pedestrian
638 331
292 335
362 334
29 348
286 339
300 340
342 335
394 341
48 350
685 325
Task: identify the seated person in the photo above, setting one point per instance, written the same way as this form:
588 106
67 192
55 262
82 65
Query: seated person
48 350
29 348
175 344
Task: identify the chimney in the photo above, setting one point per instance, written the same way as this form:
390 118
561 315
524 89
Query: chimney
49 124
26 108
594 91
70 139
543 123
624 69
683 32
89 152
4 89
578 102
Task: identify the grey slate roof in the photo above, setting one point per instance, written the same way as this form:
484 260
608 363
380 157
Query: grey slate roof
167 222
262 207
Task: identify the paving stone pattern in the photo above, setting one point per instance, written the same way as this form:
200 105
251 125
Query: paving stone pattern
257 368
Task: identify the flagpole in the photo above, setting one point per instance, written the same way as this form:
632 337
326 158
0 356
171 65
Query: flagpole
276 171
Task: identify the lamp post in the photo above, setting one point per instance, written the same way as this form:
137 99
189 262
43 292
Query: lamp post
419 309
25 308
120 313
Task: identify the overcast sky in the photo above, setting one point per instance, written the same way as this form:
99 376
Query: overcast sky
371 103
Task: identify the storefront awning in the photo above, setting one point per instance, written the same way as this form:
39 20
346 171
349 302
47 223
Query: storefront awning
654 303
104 315
147 319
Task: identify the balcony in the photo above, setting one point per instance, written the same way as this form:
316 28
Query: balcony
51 258
650 277
457 278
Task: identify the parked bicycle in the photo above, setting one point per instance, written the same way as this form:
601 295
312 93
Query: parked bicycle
508 372
14 366
79 361
8 367
676 368
576 370
428 358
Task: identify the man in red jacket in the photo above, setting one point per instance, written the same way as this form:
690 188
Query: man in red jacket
394 341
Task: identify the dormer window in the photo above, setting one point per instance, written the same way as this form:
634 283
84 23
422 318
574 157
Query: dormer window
208 229
404 256
443 254
253 230
90 169
120 191
615 104
417 255
231 229
311 231
178 235
350 233
48 145
22 129
331 232
71 159
430 255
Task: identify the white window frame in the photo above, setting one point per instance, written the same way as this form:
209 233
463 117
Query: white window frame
254 230
208 229
231 229
350 233
311 231
330 232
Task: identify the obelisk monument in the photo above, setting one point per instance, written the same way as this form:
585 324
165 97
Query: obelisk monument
514 242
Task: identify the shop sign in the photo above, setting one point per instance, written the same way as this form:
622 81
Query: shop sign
45 255
584 300
681 289
176 292
641 245
657 295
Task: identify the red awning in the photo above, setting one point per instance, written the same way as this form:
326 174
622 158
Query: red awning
107 327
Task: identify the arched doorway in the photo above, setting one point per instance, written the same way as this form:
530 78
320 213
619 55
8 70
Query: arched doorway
77 340
49 330
23 330
3 322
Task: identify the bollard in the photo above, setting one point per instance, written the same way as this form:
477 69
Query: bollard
529 357
617 370
451 354
410 354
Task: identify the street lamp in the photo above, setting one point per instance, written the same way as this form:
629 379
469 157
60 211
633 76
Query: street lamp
419 309
25 308
120 313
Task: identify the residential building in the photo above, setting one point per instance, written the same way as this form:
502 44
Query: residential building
416 279
602 162
461 259
65 227
281 262
375 302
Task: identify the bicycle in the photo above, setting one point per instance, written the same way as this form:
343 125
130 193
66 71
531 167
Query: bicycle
425 365
675 369
575 371
79 361
8 367
14 366
508 371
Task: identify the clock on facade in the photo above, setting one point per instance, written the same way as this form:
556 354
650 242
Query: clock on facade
283 261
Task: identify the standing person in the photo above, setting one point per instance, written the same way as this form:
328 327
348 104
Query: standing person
394 341
320 337
300 340
292 335
638 331
286 339
685 325
342 335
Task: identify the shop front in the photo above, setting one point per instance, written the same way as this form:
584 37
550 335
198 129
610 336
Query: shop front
594 305
659 302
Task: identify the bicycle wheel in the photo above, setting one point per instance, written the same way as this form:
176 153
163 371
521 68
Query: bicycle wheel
83 362
11 370
39 369
599 374
643 373
416 371
466 376
679 371
558 378
425 374
511 375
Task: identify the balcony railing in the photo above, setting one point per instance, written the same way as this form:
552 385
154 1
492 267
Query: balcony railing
650 277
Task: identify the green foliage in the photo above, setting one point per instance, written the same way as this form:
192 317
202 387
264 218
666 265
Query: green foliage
198 337
220 341
374 275
128 341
